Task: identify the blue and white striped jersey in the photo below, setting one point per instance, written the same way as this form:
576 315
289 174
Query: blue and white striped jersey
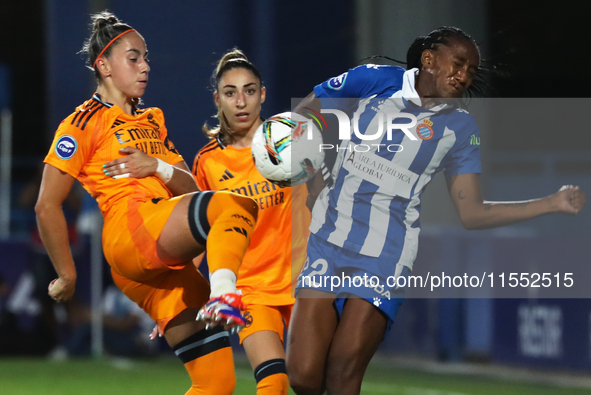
373 207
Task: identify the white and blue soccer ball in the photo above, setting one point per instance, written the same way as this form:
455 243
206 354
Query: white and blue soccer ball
286 149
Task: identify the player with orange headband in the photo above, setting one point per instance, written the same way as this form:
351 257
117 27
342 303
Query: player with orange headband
155 220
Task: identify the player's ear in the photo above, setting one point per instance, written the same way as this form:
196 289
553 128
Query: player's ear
216 99
427 58
104 67
263 94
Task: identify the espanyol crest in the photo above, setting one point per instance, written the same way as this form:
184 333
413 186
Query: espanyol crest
337 83
66 146
425 129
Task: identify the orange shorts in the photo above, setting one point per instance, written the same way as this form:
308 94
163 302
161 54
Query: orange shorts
266 318
129 245
168 294
130 235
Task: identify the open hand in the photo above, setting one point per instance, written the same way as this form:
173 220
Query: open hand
134 163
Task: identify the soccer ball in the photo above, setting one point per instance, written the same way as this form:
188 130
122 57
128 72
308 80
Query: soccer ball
286 149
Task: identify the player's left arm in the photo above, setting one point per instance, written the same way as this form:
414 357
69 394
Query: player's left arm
137 164
476 213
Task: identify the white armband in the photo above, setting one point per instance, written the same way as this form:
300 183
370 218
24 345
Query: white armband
164 171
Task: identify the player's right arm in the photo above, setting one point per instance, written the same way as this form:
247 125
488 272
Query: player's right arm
55 187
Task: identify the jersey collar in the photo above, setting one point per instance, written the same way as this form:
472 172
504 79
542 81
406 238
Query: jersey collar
218 137
98 98
410 93
408 86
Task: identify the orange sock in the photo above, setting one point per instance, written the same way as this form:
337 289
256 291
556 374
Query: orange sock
232 218
207 356
276 384
271 377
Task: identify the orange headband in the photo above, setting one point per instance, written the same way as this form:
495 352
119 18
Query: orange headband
107 46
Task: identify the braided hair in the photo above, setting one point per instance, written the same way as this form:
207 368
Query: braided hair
432 41
443 36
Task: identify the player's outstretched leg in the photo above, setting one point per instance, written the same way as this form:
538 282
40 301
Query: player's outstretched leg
223 222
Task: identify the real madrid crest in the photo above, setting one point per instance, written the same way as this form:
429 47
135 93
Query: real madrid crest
425 130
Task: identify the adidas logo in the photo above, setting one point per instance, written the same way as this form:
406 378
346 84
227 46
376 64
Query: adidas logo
117 123
226 176
242 231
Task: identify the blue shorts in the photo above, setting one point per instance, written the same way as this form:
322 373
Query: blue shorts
338 271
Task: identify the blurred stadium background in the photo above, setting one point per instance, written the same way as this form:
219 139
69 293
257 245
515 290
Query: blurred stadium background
462 345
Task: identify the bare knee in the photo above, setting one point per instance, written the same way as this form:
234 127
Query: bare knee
182 326
309 338
304 369
344 373
304 380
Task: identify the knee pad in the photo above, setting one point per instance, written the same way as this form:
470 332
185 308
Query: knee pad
207 206
198 222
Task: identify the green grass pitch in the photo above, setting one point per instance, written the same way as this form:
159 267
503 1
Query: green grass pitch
26 376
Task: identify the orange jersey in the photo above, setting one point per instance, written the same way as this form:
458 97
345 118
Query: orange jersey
93 136
278 237
135 209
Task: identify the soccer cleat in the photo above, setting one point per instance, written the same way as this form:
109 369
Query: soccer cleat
223 310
